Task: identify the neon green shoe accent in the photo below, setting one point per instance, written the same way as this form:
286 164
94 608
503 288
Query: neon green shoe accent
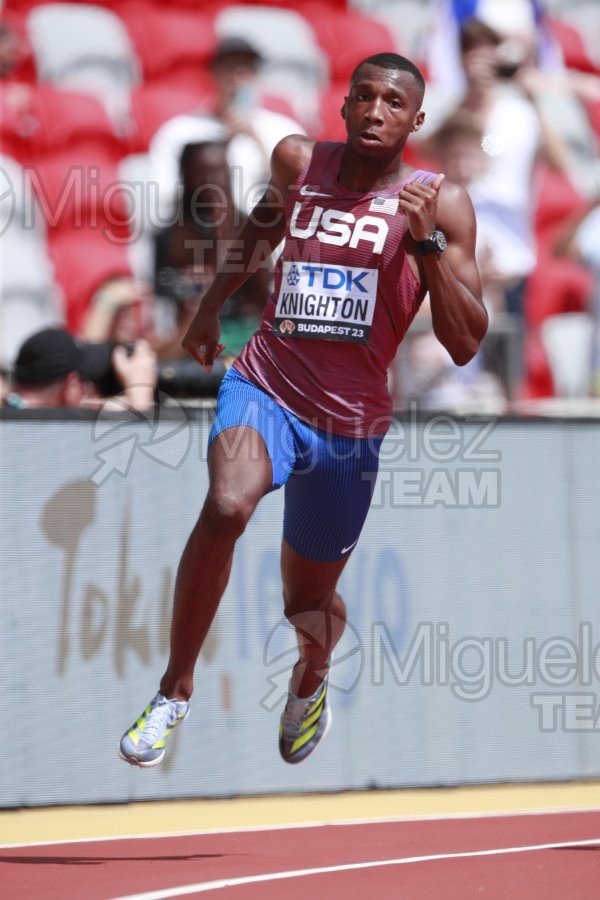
144 743
303 725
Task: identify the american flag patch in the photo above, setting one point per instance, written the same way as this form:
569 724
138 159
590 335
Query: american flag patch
386 205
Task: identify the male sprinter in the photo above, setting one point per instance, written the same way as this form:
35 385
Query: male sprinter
306 403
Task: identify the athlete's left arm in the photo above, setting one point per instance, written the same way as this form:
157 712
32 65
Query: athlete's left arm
458 315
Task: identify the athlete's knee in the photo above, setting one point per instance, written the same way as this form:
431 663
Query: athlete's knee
302 601
227 513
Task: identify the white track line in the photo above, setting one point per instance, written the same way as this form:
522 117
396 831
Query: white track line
204 887
289 826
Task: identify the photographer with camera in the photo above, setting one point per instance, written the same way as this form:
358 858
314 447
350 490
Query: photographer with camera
53 370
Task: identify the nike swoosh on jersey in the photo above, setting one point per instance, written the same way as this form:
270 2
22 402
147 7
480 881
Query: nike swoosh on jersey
306 192
345 549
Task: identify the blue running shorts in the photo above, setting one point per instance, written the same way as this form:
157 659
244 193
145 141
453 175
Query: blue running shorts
329 478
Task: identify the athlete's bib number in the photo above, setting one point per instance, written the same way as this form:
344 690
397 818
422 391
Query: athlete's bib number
335 303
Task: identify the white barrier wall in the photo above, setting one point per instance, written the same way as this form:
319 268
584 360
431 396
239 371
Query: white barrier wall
473 648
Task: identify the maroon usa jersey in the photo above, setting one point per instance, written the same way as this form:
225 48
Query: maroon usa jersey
344 297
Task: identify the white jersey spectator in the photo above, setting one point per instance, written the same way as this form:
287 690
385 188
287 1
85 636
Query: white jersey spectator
251 131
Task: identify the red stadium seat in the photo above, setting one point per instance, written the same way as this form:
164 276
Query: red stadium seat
84 258
214 6
332 127
40 119
17 124
538 382
153 104
593 112
347 37
75 187
73 119
23 6
25 68
557 200
572 46
556 286
167 38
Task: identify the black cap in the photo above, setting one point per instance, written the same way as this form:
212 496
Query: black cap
235 46
52 353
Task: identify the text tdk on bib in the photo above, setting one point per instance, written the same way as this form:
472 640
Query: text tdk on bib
335 303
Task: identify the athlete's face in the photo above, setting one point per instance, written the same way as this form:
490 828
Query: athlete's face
381 110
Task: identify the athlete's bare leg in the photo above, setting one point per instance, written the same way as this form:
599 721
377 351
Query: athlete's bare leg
240 474
318 613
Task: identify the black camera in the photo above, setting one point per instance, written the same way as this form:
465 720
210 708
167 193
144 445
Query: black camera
185 378
507 69
511 56
105 379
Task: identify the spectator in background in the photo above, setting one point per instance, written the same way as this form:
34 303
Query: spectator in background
53 369
580 240
506 17
120 311
502 98
250 131
188 252
424 372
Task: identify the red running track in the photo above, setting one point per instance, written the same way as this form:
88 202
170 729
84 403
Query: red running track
401 852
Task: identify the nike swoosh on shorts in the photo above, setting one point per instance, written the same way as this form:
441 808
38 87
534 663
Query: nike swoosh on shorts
345 549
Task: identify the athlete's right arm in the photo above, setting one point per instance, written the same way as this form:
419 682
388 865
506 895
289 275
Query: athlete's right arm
253 245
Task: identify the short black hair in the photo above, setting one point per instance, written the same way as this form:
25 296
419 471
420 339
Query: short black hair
391 61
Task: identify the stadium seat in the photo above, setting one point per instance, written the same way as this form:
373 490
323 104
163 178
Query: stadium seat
24 311
556 286
137 175
331 124
166 38
538 382
347 37
81 185
584 17
573 47
18 125
296 5
18 203
29 298
85 48
84 258
568 342
557 199
25 6
42 119
25 262
25 68
295 67
154 103
593 113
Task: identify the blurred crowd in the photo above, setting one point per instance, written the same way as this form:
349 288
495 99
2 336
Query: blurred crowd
135 138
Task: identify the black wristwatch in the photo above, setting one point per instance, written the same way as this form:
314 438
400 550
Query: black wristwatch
435 243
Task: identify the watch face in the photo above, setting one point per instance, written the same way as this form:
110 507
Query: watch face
440 240
435 243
